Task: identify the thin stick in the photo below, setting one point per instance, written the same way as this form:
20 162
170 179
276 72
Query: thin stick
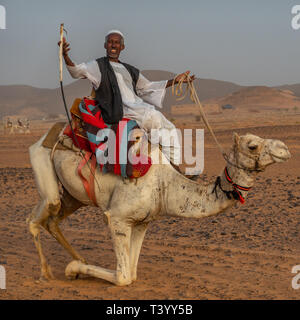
61 52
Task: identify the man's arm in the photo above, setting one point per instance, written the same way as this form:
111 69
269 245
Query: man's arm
153 92
179 77
88 70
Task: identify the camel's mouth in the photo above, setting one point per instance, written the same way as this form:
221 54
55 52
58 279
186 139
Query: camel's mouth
282 157
279 151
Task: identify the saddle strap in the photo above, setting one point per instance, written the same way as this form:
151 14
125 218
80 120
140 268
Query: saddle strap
89 186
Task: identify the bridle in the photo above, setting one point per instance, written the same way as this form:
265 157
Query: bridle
235 193
237 151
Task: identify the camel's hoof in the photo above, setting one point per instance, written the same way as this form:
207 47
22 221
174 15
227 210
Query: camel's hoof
44 279
133 277
72 270
46 275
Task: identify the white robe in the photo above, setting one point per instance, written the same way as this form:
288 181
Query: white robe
138 107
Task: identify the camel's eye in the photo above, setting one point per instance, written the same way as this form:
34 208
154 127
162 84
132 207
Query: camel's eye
252 148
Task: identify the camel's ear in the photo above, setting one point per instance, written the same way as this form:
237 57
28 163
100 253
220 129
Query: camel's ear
236 138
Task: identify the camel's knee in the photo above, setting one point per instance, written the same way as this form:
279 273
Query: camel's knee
41 214
51 210
53 207
43 211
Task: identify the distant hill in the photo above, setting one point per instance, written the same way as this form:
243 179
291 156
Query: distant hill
36 103
260 97
292 87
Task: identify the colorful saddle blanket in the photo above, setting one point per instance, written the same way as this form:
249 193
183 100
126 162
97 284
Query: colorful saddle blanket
113 144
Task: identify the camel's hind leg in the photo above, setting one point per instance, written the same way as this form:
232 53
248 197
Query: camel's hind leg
41 210
49 205
68 206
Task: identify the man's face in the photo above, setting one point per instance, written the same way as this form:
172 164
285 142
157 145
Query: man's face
114 46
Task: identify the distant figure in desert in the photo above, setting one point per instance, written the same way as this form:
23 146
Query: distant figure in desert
8 127
8 123
20 126
27 126
132 95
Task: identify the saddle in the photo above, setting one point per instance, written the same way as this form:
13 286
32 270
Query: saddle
81 138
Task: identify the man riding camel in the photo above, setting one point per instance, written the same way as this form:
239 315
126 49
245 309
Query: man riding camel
122 91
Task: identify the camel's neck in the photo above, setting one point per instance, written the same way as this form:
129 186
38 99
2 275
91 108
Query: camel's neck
185 198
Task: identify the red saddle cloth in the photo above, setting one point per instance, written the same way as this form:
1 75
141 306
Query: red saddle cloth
93 140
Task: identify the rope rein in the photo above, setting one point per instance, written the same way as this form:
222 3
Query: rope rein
177 91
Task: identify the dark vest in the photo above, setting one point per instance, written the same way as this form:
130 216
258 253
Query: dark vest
108 94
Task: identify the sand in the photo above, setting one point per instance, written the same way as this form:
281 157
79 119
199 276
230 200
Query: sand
245 253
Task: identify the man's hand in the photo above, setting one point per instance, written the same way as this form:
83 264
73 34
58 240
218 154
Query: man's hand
66 48
182 76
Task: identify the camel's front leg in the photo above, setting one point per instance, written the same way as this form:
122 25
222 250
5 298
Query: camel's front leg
76 267
121 233
137 237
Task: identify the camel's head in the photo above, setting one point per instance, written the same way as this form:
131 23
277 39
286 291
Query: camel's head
254 153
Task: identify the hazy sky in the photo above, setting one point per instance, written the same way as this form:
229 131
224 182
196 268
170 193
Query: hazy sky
243 41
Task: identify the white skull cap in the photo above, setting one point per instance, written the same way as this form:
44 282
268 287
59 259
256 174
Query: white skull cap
115 31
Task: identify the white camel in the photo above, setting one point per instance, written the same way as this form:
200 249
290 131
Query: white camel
129 207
